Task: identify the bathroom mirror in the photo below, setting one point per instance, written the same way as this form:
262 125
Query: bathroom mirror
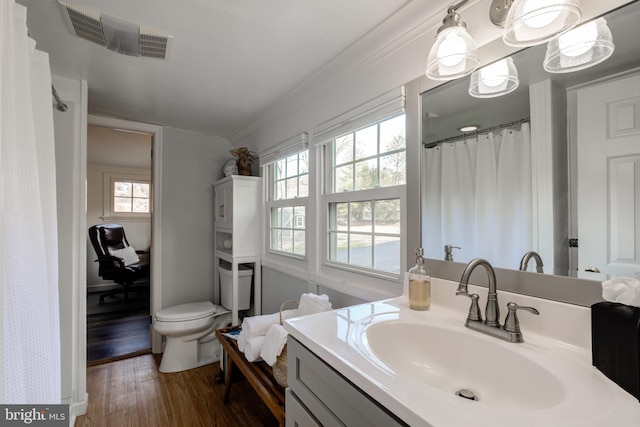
449 107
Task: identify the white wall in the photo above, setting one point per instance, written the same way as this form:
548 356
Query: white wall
138 231
191 164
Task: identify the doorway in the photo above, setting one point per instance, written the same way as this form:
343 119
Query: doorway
120 151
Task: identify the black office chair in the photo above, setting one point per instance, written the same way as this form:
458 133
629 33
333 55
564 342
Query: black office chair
118 260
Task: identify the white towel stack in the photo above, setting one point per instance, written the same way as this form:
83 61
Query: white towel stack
276 337
624 290
258 326
264 337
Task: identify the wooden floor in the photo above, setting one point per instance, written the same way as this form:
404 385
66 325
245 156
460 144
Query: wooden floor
117 328
131 392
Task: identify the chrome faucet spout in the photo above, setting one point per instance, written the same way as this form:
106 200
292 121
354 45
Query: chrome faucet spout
492 311
524 263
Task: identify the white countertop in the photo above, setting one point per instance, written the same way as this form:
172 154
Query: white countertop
590 399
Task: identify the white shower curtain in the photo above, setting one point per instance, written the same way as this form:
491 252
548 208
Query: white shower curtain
28 223
477 194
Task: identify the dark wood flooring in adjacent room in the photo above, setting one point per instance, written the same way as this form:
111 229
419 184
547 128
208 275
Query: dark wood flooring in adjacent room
117 328
132 392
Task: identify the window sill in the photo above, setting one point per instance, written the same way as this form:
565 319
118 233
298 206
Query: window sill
125 218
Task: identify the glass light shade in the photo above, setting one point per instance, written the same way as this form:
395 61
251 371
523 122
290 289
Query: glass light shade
532 22
453 55
583 47
494 80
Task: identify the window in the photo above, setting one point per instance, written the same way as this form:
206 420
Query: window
288 204
127 195
364 204
131 197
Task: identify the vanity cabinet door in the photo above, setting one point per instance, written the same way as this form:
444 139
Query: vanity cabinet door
297 414
328 396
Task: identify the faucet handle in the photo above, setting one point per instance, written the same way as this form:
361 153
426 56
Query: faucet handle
511 323
474 310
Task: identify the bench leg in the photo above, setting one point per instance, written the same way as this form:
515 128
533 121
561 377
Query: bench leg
227 380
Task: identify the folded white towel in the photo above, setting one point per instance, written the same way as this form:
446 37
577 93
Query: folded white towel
312 303
253 347
624 290
256 326
274 342
242 342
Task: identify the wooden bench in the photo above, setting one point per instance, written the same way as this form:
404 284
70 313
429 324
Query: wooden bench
259 375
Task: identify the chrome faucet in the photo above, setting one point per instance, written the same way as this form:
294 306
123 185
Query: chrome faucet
491 325
524 263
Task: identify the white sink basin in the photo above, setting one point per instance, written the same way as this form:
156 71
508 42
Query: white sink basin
450 360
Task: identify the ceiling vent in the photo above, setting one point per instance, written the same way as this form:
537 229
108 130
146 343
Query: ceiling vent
113 33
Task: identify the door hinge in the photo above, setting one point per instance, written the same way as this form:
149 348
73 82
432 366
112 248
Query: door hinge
573 243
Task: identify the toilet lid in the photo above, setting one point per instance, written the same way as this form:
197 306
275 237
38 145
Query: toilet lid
191 311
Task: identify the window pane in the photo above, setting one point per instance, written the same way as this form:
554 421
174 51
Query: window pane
366 174
140 205
303 186
281 190
392 169
303 166
360 253
287 240
300 220
286 220
387 254
343 149
298 242
292 188
276 239
140 190
121 204
342 216
279 169
292 165
122 189
360 215
344 178
367 142
392 134
387 216
340 250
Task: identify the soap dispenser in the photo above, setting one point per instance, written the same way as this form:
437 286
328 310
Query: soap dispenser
419 284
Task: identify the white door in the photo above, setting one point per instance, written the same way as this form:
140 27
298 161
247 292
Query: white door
609 179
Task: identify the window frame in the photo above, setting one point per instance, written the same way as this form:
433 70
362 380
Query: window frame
271 203
109 180
329 197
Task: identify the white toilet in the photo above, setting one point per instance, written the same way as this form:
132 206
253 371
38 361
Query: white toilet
190 334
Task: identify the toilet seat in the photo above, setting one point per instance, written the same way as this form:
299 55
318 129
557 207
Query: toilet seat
186 312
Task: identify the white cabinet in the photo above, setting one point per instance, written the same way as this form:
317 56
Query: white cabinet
237 216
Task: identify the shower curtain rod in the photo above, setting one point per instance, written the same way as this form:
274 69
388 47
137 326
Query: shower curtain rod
59 104
474 133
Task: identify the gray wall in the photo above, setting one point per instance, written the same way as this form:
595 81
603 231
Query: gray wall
278 287
192 162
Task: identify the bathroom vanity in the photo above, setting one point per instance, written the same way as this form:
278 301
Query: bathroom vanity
383 364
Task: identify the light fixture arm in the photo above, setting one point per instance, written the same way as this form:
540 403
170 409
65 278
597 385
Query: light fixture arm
453 18
498 12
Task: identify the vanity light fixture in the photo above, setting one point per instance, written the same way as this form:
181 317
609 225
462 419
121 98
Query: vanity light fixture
583 47
454 53
469 128
495 79
532 22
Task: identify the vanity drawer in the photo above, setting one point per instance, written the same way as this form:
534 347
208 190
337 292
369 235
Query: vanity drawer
332 399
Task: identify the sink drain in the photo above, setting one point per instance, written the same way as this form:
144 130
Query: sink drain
466 394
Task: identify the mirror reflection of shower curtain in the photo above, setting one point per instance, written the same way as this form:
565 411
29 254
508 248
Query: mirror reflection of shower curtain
477 194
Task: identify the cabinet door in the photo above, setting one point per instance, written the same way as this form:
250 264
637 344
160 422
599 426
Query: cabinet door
223 211
297 414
